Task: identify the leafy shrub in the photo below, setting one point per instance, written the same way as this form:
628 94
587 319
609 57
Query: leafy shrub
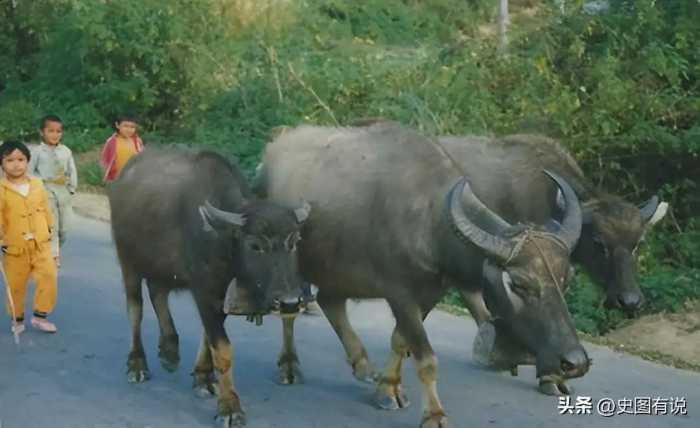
90 173
18 119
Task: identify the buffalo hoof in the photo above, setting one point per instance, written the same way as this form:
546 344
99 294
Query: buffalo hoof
290 373
556 388
364 371
391 397
437 420
169 364
138 376
230 413
169 353
137 369
235 420
205 385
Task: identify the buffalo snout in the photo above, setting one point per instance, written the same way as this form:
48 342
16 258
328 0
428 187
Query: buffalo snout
285 296
575 363
287 306
628 301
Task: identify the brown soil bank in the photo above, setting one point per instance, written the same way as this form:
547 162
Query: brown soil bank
671 338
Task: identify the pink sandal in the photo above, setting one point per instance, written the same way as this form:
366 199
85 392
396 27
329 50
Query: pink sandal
44 325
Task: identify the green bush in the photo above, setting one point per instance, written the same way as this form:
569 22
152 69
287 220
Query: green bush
90 174
585 301
18 119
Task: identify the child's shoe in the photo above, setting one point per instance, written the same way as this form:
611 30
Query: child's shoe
44 325
17 327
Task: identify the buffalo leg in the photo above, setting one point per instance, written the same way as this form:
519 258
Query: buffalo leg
288 361
137 368
336 313
230 411
474 301
204 380
168 342
389 395
409 323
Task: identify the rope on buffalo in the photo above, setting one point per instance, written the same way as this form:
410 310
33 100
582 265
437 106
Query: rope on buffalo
532 235
549 267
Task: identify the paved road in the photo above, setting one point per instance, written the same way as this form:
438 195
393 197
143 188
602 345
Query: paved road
76 378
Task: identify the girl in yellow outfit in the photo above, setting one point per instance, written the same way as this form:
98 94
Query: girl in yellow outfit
25 231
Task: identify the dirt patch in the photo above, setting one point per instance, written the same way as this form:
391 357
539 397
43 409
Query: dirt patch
670 338
91 205
90 200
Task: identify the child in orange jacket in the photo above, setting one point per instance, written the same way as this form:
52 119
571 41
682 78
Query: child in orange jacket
25 232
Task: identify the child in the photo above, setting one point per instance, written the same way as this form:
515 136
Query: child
53 163
25 231
120 147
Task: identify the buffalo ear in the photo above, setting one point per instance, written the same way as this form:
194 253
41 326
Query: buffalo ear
206 224
515 300
659 214
499 297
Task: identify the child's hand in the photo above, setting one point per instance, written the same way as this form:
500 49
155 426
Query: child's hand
58 261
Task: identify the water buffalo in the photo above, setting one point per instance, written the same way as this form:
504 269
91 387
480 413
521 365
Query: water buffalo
612 227
395 219
187 220
611 233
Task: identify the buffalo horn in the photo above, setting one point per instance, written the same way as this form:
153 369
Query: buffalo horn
570 229
223 216
464 206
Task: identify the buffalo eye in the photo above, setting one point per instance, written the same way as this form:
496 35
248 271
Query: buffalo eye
516 284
